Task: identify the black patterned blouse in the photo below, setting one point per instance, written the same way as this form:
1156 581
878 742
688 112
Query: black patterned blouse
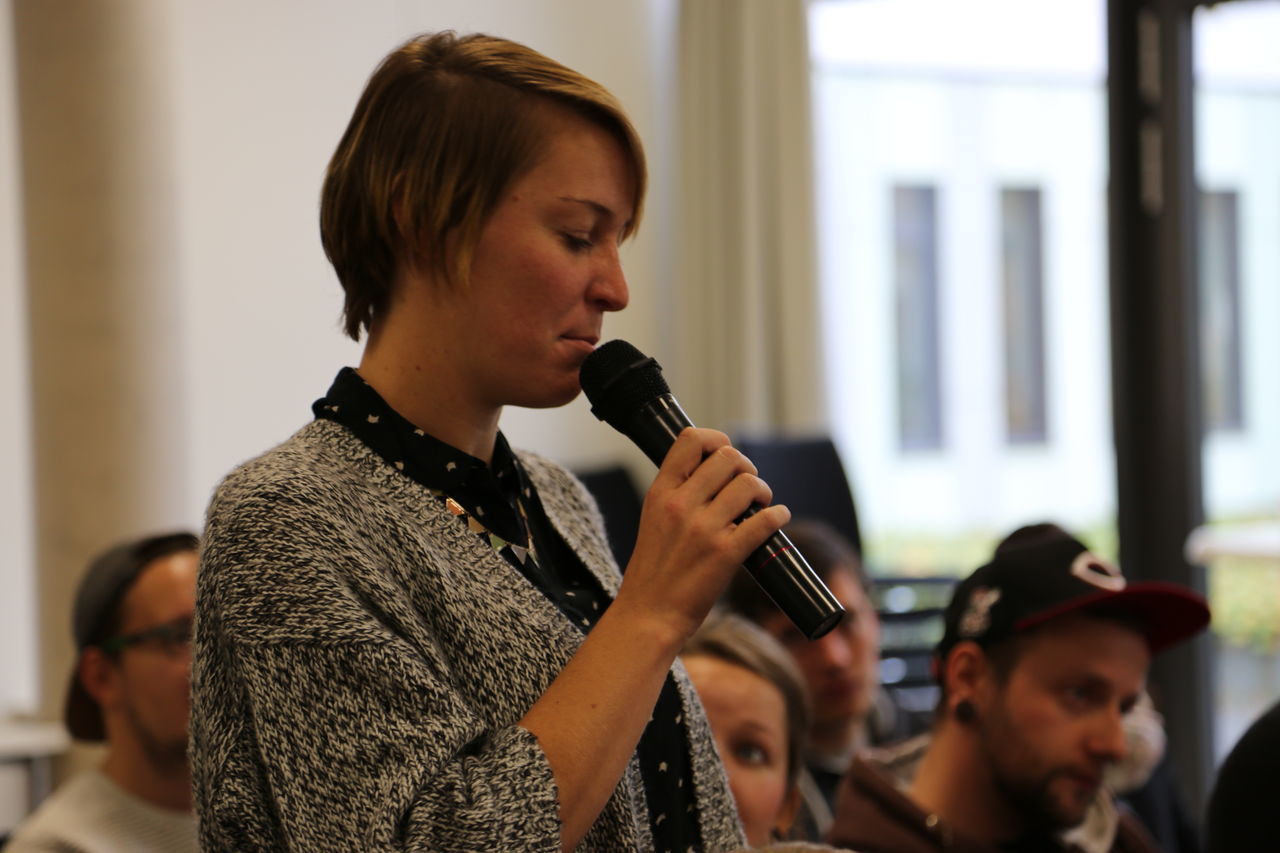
500 505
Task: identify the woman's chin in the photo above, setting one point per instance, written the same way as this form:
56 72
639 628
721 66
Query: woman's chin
549 397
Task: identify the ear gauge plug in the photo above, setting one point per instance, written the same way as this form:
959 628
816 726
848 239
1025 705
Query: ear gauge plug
965 711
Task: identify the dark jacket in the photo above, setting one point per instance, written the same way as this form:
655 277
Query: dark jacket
873 815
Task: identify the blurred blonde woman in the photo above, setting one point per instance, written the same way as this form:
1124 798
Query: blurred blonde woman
756 703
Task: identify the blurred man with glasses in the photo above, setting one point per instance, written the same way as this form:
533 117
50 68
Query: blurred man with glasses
129 689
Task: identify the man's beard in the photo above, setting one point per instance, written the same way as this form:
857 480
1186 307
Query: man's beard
1033 799
1029 796
168 755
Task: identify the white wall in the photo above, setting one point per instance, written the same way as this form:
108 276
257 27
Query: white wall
255 95
265 92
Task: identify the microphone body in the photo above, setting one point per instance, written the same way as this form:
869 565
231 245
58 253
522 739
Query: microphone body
653 422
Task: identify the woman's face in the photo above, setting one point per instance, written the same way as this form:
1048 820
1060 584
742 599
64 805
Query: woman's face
748 717
545 271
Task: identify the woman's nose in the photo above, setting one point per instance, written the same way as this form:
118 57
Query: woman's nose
609 288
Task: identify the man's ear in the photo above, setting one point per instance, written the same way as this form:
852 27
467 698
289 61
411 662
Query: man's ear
966 676
100 676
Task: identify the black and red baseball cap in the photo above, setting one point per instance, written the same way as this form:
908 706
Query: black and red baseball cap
1030 584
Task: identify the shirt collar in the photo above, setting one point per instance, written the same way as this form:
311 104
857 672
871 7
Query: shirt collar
489 492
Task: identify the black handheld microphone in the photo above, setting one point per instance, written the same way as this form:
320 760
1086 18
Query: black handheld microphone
627 391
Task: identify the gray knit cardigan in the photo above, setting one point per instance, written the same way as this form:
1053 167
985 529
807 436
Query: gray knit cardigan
362 661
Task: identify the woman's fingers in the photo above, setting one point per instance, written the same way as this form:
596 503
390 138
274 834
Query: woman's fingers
730 490
687 453
691 536
700 467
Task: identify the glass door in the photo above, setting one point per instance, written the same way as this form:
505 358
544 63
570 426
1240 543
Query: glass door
1237 135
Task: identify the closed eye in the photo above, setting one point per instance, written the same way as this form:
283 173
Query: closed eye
575 243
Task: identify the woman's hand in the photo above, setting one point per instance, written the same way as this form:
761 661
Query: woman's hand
690 541
689 545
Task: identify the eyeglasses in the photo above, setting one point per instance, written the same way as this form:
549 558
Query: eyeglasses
173 638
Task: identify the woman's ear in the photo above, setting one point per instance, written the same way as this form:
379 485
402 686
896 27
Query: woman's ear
399 211
787 813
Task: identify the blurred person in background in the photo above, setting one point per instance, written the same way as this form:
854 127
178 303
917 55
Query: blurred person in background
758 709
1240 817
1143 780
1045 652
841 668
129 689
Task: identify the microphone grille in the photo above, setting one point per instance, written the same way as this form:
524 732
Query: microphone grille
618 379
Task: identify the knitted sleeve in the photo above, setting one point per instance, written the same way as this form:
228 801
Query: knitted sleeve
330 711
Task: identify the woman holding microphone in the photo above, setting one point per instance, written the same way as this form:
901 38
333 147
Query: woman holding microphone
410 636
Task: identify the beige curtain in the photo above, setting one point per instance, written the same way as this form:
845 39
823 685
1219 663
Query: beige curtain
746 307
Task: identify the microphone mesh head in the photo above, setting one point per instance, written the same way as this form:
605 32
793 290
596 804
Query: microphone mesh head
618 379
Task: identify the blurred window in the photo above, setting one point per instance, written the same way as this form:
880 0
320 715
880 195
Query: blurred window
1022 273
1237 127
960 153
1220 310
915 231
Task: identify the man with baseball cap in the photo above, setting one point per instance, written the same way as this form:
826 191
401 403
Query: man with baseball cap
1045 650
132 627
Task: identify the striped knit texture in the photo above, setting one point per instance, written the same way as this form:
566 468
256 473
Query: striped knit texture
361 662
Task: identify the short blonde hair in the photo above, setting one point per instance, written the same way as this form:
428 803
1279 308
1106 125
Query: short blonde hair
445 124
730 638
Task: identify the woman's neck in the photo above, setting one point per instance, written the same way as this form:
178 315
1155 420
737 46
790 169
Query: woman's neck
418 383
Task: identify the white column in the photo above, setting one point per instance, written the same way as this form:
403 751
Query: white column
103 303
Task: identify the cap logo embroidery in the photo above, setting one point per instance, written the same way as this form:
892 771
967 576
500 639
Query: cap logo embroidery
1092 569
977 616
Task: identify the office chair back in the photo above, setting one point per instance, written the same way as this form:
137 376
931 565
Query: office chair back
808 476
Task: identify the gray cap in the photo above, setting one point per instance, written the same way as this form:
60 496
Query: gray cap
97 602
